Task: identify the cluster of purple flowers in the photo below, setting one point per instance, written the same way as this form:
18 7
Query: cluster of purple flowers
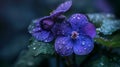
74 34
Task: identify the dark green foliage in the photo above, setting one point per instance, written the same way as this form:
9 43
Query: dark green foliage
36 52
107 27
40 48
104 61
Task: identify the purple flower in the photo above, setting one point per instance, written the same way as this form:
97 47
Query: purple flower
42 26
77 36
74 34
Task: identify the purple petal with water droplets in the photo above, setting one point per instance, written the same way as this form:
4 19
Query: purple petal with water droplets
63 28
64 6
42 35
66 28
89 29
84 45
61 9
77 20
63 46
38 32
49 38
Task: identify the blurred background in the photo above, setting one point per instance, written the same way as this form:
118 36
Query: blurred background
16 15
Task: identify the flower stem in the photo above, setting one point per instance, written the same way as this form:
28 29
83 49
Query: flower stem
74 60
68 62
57 61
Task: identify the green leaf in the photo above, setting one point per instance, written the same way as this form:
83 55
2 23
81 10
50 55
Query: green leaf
111 40
101 62
106 26
37 52
105 23
104 61
26 59
109 26
41 48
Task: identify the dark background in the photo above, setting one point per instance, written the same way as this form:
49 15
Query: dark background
16 15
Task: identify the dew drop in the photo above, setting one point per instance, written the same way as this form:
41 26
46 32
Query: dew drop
34 30
46 40
37 36
60 47
62 5
83 43
63 53
89 45
77 50
33 44
34 48
74 17
101 64
78 17
63 42
80 51
67 48
30 63
85 48
58 42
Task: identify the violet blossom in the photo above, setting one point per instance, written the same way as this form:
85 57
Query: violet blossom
72 35
42 30
79 37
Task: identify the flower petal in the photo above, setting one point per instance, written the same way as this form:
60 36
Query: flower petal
64 6
89 29
56 14
37 22
56 29
40 29
49 38
63 28
63 46
84 45
42 35
66 28
33 25
77 20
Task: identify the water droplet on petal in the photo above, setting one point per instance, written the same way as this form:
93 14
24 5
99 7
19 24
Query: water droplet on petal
89 45
37 37
83 43
85 48
74 17
63 42
46 40
67 47
78 17
60 47
80 51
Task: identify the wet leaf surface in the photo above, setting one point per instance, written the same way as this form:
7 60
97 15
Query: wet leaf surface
41 48
107 27
104 61
105 23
